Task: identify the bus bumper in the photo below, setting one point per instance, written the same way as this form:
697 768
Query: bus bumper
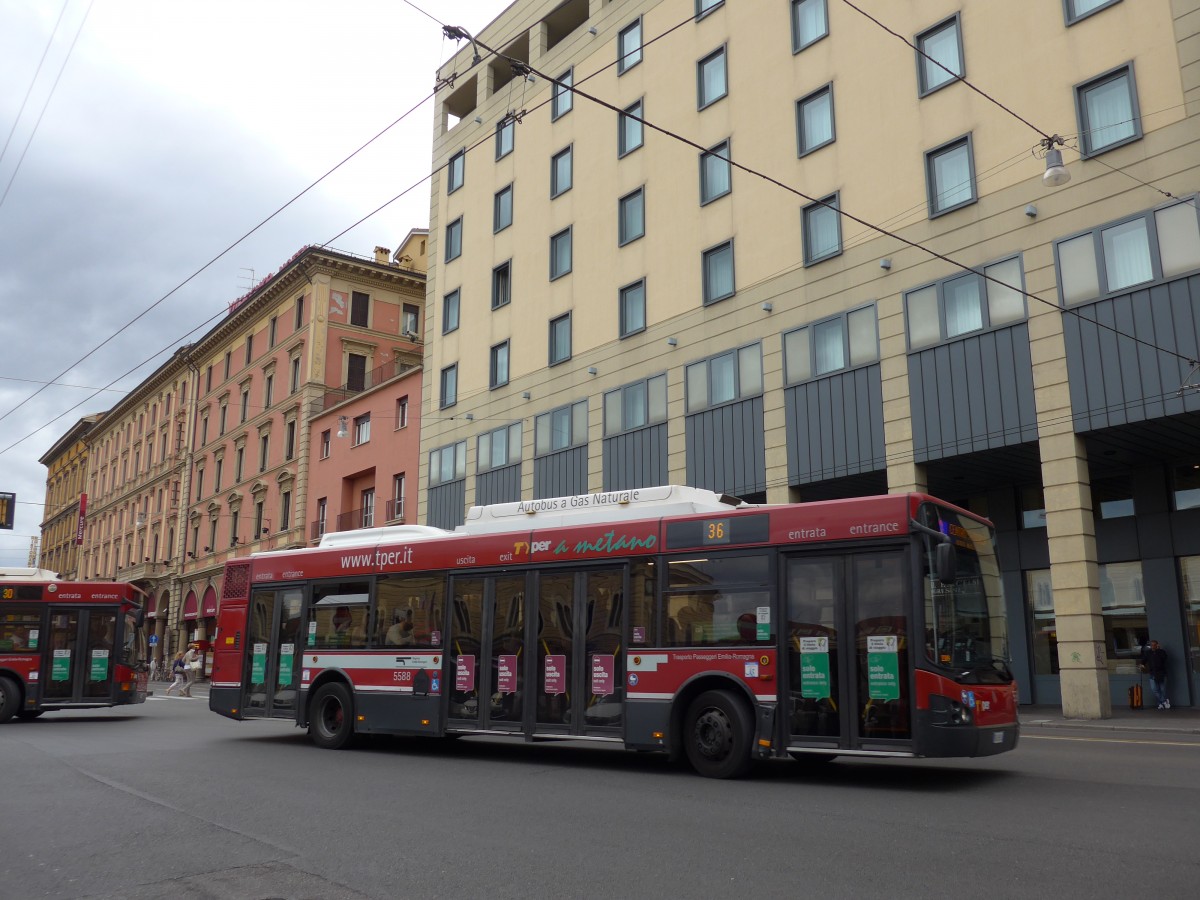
942 740
226 701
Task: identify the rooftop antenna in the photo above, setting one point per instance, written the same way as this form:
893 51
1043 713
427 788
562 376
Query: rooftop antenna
249 278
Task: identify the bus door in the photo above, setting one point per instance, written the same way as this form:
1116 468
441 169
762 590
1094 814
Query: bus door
578 658
485 657
272 679
846 651
79 655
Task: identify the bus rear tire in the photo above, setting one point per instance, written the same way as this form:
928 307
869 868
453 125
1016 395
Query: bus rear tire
719 732
331 723
10 699
26 714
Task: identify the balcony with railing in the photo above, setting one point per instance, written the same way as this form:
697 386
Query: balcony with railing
377 376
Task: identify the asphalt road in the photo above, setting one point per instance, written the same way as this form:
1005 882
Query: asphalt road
168 800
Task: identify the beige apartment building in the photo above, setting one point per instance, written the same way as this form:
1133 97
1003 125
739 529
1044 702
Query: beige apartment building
826 263
66 501
208 458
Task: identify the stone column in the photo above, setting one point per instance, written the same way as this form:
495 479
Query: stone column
904 474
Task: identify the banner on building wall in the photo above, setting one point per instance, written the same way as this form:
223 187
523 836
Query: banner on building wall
82 519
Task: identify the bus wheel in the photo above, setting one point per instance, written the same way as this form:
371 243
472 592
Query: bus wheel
10 699
331 724
26 714
717 740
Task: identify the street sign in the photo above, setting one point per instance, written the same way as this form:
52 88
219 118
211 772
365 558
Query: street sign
8 507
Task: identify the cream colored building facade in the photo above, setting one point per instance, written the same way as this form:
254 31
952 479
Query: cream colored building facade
66 484
614 307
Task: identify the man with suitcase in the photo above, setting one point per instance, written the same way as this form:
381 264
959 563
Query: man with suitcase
1154 663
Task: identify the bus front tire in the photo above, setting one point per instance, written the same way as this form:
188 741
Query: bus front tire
10 699
718 735
331 725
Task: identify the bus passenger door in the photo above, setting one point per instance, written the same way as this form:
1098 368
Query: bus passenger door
486 654
272 679
846 652
80 651
579 664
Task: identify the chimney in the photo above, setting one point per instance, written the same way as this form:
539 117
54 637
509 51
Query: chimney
383 255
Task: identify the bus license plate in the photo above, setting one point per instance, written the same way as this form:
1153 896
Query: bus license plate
998 737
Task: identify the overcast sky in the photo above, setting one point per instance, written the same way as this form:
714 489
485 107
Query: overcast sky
174 129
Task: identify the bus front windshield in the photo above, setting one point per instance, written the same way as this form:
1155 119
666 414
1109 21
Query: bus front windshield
965 626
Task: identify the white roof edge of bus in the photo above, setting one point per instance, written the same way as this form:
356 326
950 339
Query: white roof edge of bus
24 573
594 508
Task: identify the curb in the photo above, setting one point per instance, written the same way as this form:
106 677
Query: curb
1107 725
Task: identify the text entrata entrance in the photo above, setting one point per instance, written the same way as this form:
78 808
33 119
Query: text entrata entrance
274 634
538 653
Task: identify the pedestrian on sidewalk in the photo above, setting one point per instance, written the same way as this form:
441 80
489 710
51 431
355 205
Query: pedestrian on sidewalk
1154 663
191 664
179 672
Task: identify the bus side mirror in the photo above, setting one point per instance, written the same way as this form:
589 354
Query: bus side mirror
947 563
140 620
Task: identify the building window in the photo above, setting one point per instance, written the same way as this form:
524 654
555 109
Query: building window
397 510
715 178
402 412
633 308
718 272
228 359
325 444
1123 604
222 416
245 407
1112 498
450 305
448 463
449 386
734 375
822 230
289 440
712 81
218 469
950 176
561 172
362 429
272 328
299 317
249 352
356 372
502 285
843 342
630 135
1108 113
1032 504
285 511
264 446
963 304
204 431
239 464
498 448
635 405
502 209
814 120
268 390
940 49
631 217
629 47
1157 244
560 254
454 239
560 428
410 319
1186 487
456 171
295 374
810 23
208 380
200 483
360 305
504 137
498 365
322 515
1081 9
704 7
560 339
368 508
562 98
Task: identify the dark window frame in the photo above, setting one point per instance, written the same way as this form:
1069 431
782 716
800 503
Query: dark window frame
499 301
562 99
826 90
449 304
556 323
967 141
1070 17
923 88
557 190
724 156
625 330
458 161
1125 70
985 312
623 237
704 257
623 148
703 101
798 47
449 372
843 318
494 380
832 201
497 204
505 126
569 235
623 65
454 245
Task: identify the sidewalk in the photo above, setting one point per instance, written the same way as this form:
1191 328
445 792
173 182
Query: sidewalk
1167 721
159 689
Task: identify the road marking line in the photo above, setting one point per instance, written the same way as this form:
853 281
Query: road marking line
1047 737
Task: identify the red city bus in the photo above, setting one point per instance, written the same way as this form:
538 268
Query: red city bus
669 618
68 645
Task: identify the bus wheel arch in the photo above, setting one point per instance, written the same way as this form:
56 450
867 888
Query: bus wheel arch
10 698
331 714
712 726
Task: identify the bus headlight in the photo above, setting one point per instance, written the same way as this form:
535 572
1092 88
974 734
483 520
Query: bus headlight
948 711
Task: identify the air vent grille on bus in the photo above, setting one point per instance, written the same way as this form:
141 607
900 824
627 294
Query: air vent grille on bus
237 582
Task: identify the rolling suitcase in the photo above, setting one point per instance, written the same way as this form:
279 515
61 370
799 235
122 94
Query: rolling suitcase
1135 695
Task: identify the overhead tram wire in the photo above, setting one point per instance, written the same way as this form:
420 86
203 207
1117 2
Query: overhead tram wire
45 105
1047 139
838 210
219 256
33 81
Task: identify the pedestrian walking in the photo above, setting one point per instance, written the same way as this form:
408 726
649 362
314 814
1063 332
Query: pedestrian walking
1154 663
191 664
179 672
